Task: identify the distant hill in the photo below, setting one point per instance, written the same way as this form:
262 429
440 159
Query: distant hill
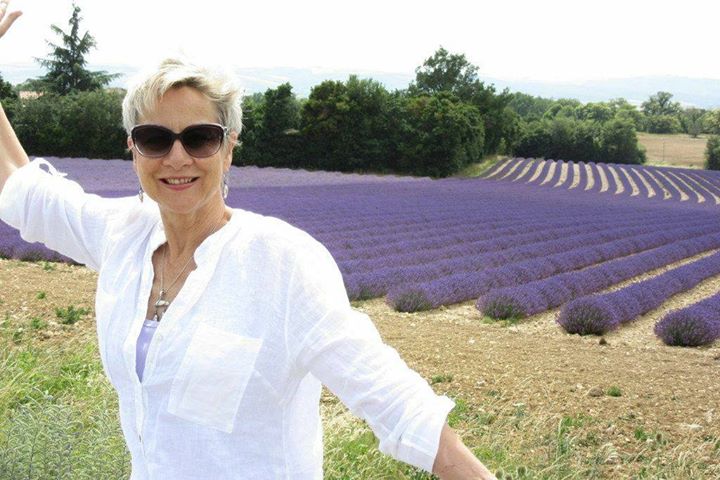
698 92
704 93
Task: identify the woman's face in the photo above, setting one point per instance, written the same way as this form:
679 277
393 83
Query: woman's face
179 108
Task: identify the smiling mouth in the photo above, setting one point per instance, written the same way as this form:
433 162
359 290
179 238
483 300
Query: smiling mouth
178 181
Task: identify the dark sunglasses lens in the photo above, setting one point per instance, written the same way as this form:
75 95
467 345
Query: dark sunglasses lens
202 140
153 141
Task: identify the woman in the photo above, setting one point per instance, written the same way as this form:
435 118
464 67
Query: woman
216 326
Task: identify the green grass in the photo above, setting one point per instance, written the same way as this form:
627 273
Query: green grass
71 315
614 391
477 169
440 379
37 323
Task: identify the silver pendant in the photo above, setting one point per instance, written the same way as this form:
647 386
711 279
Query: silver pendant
160 306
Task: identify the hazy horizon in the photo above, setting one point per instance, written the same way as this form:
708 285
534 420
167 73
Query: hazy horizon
703 93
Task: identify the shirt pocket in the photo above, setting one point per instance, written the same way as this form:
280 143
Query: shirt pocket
212 377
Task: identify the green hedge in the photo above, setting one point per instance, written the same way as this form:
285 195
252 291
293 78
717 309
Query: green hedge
567 138
84 124
712 153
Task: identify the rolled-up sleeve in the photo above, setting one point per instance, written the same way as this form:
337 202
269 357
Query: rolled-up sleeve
45 207
343 349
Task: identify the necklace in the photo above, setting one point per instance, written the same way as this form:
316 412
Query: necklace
162 304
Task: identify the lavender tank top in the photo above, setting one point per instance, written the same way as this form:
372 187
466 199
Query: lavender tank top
143 344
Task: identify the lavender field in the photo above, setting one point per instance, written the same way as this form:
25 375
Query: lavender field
529 236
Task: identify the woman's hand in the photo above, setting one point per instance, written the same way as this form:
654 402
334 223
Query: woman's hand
455 461
7 20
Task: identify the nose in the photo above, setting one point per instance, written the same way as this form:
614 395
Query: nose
177 157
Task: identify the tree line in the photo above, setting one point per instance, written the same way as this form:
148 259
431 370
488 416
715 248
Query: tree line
445 120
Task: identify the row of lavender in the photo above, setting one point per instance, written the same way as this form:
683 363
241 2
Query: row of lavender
426 243
656 183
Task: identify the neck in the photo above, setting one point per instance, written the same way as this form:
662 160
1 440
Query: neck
185 232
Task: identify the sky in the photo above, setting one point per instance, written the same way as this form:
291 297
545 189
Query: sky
541 40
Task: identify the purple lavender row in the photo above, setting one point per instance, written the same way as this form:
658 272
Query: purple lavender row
379 233
532 164
370 246
706 184
516 167
101 175
673 174
543 166
500 168
396 280
567 256
541 295
423 251
698 324
599 314
653 175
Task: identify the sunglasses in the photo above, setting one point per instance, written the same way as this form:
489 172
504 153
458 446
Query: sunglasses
199 141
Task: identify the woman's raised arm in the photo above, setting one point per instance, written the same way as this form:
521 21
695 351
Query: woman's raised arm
12 154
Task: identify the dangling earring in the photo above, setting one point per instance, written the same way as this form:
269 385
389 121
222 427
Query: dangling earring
141 195
225 187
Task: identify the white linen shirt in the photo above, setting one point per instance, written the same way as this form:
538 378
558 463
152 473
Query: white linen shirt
233 375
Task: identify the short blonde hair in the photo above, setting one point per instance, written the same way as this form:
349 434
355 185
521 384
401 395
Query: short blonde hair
220 88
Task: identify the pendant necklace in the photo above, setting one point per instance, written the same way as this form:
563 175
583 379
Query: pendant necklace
162 304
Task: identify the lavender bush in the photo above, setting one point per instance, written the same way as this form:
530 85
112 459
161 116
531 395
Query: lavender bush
518 266
599 314
541 295
698 324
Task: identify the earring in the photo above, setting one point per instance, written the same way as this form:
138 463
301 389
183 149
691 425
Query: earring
141 195
225 187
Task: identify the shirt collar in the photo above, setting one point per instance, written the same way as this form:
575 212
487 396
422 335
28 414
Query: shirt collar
209 247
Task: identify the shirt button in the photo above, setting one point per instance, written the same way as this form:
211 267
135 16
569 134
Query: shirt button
140 438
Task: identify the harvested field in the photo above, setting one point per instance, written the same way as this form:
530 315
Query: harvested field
674 150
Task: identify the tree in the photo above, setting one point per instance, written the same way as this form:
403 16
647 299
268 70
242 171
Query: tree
692 121
349 126
446 72
453 73
276 129
598 112
712 121
529 107
661 104
84 124
66 62
618 143
439 135
6 90
662 124
9 98
712 153
624 110
662 113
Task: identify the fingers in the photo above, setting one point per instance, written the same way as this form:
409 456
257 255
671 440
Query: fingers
6 21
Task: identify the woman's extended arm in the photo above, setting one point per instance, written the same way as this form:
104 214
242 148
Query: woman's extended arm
12 154
454 461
